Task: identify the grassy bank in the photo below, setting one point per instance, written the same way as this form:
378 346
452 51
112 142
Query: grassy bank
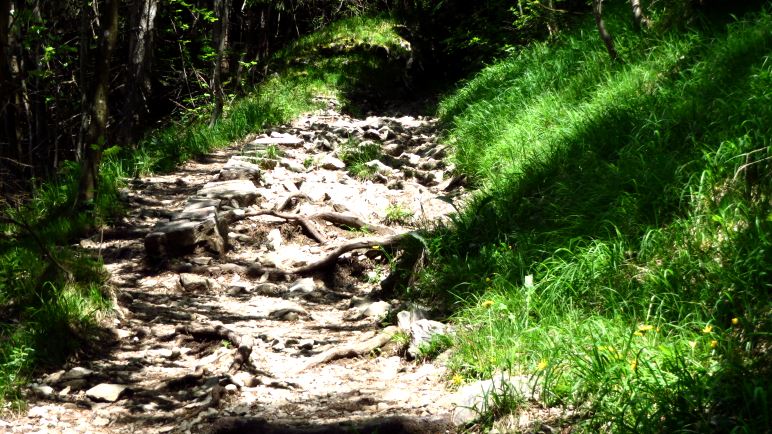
621 244
52 293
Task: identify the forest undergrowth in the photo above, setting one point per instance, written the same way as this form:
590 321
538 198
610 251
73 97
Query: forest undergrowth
620 245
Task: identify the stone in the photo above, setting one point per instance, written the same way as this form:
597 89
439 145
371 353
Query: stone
245 379
305 285
292 165
421 332
231 388
75 373
306 344
180 237
100 421
242 191
277 139
331 163
106 392
378 310
406 318
269 289
274 239
473 399
238 168
194 282
379 167
43 391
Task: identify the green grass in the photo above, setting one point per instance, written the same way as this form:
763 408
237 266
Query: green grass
356 155
638 198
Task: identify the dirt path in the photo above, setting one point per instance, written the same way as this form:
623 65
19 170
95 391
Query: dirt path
212 335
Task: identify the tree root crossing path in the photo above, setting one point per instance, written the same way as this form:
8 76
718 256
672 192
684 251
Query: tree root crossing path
254 291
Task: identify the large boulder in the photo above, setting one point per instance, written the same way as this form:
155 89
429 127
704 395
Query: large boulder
242 191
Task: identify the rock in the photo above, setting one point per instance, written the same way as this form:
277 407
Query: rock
231 388
244 379
274 239
393 149
75 373
331 163
290 313
78 384
378 310
43 391
268 289
242 191
379 167
471 400
421 332
305 285
106 392
407 317
238 168
277 139
194 282
306 344
235 290
292 165
100 421
180 237
37 412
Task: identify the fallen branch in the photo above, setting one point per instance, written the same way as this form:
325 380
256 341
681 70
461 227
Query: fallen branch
352 350
243 342
330 259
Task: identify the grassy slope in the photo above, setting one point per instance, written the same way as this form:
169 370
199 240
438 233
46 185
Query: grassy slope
637 197
40 308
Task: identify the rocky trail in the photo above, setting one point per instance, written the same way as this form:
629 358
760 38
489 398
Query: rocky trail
254 292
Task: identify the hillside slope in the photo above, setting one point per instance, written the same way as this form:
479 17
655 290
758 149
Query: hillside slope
619 248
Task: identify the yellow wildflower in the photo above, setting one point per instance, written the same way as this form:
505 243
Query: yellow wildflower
708 328
645 327
457 379
376 247
542 365
633 364
735 321
638 334
487 303
713 343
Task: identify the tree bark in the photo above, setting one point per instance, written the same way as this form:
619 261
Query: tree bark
639 19
95 136
597 10
220 40
139 87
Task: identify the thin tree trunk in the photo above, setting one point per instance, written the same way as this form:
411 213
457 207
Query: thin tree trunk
83 54
639 19
220 40
142 22
95 137
597 10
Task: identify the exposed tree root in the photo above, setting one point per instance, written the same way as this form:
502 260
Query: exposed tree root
244 343
303 221
351 222
330 259
287 203
352 349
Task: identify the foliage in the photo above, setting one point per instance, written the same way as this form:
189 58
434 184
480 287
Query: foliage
396 213
356 155
638 197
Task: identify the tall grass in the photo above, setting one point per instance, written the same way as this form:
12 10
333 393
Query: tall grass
637 198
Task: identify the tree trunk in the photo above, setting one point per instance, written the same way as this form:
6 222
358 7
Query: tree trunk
95 136
142 27
220 40
639 19
597 10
